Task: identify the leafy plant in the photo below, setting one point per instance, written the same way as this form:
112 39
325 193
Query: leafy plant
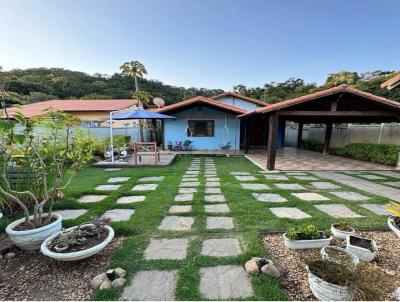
307 232
343 225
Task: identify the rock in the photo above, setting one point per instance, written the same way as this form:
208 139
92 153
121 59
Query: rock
120 272
98 280
261 262
111 274
106 284
271 270
9 255
1 257
118 282
390 272
251 267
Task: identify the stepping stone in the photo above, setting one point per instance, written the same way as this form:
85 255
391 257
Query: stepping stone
187 190
70 214
214 198
185 179
323 185
216 208
240 173
224 282
131 199
212 178
378 209
189 184
337 211
392 183
176 223
221 222
91 198
107 187
119 214
293 213
213 184
212 191
296 173
269 172
221 247
193 168
353 196
118 179
300 177
112 169
290 186
152 178
269 197
210 173
145 187
245 178
371 176
184 197
153 285
192 172
276 177
310 196
180 209
174 249
255 186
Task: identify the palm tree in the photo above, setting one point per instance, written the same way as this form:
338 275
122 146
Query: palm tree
134 69
143 97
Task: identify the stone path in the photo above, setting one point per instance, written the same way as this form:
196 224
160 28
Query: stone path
337 211
119 214
293 213
91 198
70 214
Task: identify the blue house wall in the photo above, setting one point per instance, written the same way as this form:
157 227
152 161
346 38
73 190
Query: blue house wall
175 130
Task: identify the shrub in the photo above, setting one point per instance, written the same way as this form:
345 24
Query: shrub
307 232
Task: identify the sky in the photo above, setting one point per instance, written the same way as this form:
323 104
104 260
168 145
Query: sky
203 43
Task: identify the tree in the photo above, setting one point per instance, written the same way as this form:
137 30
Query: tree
134 69
343 77
142 96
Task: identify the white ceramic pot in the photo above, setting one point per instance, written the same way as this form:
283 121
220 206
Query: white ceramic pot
32 239
73 256
325 291
306 244
1 215
339 234
392 226
324 254
360 252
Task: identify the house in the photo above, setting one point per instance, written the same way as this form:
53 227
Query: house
392 83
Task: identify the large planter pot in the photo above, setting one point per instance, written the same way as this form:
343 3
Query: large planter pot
306 244
351 263
362 253
1 215
32 239
392 226
339 234
74 256
325 291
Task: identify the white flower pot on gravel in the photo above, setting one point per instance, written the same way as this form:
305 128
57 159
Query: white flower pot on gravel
325 291
33 238
352 263
306 244
1 215
74 256
361 252
392 226
339 234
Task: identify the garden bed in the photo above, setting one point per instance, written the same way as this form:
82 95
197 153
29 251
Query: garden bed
294 276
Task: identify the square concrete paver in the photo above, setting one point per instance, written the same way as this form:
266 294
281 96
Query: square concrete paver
210 173
176 223
107 187
378 209
310 196
305 177
214 198
153 285
392 183
269 197
216 208
184 197
214 223
371 176
91 198
254 186
293 213
112 169
192 172
224 282
118 179
323 185
240 173
337 211
211 184
119 214
212 190
212 178
189 184
180 209
269 171
131 199
348 195
70 214
174 249
152 178
246 178
289 186
188 179
221 247
145 187
187 190
296 173
276 177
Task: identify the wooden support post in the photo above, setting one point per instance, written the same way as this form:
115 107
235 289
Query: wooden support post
162 135
271 149
328 135
300 135
246 144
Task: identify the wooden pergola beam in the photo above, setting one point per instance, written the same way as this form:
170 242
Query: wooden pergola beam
271 149
339 113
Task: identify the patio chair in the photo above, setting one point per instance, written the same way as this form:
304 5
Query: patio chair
146 149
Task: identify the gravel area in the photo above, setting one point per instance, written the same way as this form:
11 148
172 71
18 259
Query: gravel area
294 277
32 276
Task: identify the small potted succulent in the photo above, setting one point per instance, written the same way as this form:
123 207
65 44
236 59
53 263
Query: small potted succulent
394 221
364 249
306 237
341 230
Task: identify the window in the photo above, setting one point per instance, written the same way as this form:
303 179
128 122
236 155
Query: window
201 128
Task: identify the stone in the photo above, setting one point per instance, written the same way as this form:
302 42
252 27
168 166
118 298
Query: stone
249 186
192 172
211 184
217 208
269 171
152 178
184 197
172 249
392 183
271 270
131 199
120 272
245 178
118 179
276 177
269 197
296 173
214 198
209 173
323 185
180 209
91 198
221 247
70 214
9 255
251 267
112 169
371 176
292 213
310 196
224 282
212 190
187 190
176 223
190 184
378 209
106 284
302 177
212 178
98 280
145 187
337 211
240 173
289 186
118 282
348 195
221 222
107 187
187 179
119 214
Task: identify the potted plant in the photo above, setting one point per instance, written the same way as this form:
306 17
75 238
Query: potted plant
364 249
79 242
394 221
306 237
341 230
340 255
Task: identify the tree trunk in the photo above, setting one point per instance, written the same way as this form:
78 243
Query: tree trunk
141 130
